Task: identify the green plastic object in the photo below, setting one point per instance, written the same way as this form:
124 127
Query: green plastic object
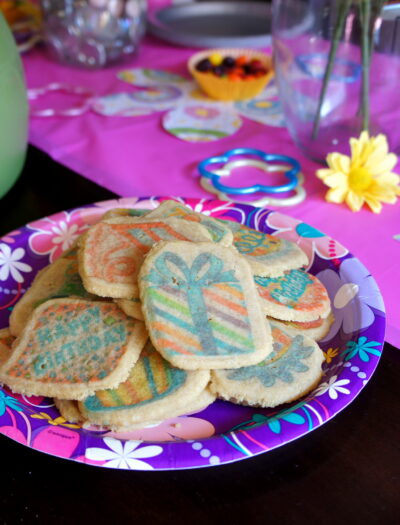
13 110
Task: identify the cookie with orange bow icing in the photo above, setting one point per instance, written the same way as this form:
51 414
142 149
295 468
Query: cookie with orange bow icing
113 251
70 348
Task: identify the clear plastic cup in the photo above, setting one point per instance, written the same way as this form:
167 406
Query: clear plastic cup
93 33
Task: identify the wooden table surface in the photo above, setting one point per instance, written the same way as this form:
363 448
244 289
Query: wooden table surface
347 471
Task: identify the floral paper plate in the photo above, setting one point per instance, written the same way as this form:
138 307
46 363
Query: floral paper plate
223 432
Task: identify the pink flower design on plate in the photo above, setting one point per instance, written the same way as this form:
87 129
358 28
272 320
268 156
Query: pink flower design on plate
56 234
9 238
309 239
94 213
201 112
208 207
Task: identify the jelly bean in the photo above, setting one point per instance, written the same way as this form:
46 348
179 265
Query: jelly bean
215 59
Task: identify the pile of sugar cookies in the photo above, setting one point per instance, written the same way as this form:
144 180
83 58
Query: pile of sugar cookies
155 314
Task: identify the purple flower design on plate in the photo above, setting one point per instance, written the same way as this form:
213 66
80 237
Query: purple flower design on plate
353 293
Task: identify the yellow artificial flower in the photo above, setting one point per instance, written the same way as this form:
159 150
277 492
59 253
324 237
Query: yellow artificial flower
365 177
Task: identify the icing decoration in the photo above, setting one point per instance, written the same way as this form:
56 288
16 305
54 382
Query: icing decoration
210 180
201 122
72 324
151 379
296 289
365 177
183 299
283 364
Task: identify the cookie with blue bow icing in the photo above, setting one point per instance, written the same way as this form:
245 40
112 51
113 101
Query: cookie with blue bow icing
112 251
201 308
294 296
290 372
268 255
154 391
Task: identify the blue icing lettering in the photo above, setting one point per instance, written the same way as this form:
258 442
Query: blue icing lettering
282 369
291 286
44 335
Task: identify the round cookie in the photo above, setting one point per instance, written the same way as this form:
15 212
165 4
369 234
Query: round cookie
268 255
294 296
291 372
315 330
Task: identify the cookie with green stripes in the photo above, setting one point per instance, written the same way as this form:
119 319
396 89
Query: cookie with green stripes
59 279
315 330
112 251
293 370
201 308
154 391
220 233
70 348
294 296
268 255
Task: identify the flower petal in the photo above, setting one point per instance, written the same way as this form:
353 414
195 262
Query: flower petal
338 162
100 454
336 195
135 464
147 452
354 200
115 445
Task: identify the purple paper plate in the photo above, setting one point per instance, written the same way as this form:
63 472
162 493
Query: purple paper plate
223 432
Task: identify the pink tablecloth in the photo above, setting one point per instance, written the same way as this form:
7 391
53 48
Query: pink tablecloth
136 157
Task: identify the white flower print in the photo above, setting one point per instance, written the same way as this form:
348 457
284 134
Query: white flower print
124 455
333 387
10 263
65 234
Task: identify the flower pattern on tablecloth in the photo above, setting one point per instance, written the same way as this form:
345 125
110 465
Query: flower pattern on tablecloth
309 239
354 296
126 455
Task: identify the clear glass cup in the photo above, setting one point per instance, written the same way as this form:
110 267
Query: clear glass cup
303 32
93 33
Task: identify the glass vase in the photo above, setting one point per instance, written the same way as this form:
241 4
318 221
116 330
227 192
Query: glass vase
337 67
13 110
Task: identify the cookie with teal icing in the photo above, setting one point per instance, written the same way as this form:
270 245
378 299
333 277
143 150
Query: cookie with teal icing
124 212
293 370
154 391
268 255
59 279
294 296
201 308
219 231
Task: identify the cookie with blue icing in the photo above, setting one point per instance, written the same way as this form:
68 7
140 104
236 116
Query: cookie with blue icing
268 255
201 308
294 296
154 391
293 369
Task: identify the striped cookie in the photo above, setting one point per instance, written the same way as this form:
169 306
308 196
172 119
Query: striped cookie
295 296
293 369
268 255
113 251
153 391
201 307
71 347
